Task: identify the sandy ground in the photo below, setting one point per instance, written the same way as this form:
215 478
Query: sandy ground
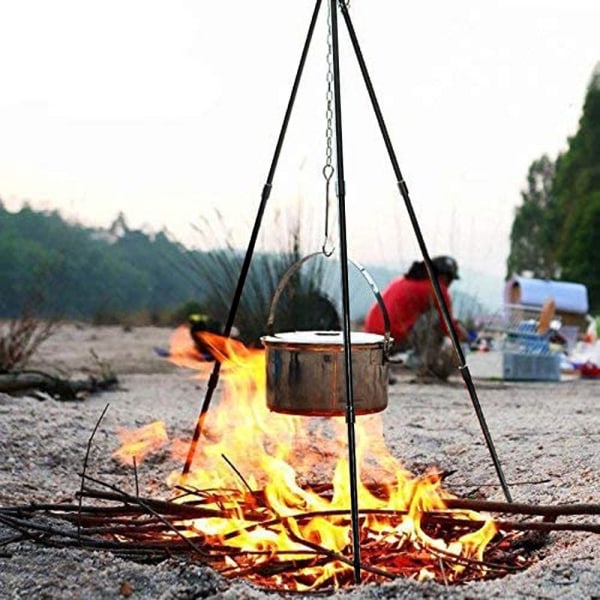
547 436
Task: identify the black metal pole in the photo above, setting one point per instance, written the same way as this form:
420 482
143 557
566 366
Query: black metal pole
463 368
214 377
350 413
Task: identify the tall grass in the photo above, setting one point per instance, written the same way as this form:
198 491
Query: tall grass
304 303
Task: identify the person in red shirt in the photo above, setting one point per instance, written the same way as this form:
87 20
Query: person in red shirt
416 323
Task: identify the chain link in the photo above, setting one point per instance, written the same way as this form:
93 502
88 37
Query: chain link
328 169
329 96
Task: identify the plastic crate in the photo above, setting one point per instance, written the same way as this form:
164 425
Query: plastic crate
530 343
526 366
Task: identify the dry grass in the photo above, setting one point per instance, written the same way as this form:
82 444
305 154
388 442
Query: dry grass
20 338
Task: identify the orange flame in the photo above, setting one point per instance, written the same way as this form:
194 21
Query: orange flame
289 458
137 444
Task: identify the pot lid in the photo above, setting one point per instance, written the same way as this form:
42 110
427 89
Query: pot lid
323 338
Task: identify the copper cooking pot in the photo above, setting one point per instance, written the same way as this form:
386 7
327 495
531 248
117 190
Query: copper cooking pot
306 369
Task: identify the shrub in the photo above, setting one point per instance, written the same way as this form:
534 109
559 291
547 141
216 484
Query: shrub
19 340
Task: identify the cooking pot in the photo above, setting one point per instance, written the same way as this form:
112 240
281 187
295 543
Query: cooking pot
306 369
306 372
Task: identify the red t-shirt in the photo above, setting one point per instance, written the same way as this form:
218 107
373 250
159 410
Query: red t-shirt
405 300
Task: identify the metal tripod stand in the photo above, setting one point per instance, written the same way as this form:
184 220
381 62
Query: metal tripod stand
341 5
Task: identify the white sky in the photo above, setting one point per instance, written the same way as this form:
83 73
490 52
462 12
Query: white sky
166 109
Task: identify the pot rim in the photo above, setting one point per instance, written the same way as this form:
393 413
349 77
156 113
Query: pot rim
324 338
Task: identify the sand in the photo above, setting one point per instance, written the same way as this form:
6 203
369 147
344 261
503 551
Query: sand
547 437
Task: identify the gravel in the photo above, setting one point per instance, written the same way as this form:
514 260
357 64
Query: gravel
547 436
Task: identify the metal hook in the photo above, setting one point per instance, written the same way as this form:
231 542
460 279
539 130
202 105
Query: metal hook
328 247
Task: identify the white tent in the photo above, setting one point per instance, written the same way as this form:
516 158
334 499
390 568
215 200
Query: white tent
568 297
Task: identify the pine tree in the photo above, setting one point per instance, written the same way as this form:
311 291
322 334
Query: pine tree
532 246
577 190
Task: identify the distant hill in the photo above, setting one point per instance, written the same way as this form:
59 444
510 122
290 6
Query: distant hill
53 267
62 268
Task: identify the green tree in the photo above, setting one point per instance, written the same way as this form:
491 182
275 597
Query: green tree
532 246
577 189
64 269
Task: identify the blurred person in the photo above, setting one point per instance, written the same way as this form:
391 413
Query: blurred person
416 322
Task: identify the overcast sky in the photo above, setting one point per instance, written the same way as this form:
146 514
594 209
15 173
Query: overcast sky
166 109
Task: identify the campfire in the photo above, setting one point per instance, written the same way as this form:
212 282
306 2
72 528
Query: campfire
267 501
267 497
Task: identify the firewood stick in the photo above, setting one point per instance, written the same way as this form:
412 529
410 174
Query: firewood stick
547 510
433 515
173 509
545 526
516 525
493 506
86 458
164 506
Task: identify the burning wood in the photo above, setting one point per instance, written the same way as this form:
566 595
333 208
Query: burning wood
266 513
147 529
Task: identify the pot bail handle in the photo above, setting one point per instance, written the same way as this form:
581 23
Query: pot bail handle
388 342
281 285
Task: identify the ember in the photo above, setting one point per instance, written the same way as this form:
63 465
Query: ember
272 491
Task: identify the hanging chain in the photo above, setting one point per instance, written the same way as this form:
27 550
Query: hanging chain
328 170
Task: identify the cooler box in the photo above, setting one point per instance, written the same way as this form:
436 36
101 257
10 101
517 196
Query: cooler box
521 366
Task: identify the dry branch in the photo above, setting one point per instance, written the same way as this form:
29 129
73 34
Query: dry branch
24 382
151 530
20 339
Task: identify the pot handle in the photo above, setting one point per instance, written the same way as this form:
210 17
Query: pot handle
387 343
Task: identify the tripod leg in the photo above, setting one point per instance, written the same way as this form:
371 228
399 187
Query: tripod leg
463 368
350 413
214 377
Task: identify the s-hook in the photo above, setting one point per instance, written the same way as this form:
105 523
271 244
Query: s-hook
328 246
